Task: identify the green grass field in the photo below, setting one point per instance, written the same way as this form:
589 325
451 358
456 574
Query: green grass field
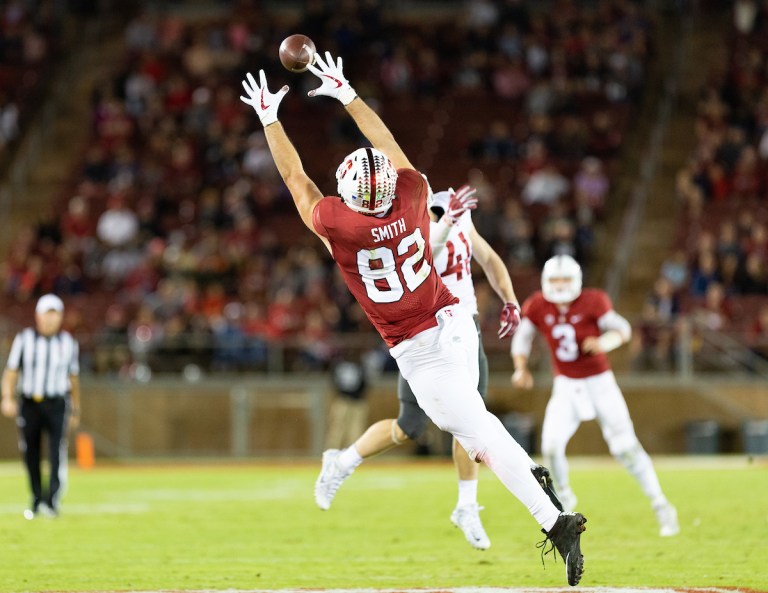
255 526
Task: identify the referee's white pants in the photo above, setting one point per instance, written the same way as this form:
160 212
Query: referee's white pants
440 365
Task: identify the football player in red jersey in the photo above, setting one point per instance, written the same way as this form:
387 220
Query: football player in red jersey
580 327
377 231
455 242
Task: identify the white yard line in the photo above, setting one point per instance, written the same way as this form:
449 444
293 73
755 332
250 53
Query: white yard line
465 590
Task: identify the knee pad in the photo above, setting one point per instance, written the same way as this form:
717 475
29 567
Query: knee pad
412 420
622 443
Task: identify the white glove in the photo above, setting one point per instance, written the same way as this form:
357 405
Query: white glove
259 97
332 77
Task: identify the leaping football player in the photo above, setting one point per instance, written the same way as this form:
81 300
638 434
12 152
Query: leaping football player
376 230
455 242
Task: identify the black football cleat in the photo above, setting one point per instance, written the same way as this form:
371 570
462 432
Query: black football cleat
565 537
541 474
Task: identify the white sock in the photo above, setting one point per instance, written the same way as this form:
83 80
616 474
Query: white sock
349 458
467 492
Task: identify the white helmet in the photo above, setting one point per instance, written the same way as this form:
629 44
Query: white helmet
367 181
561 267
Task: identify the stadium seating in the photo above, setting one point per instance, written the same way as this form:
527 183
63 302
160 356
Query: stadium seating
170 141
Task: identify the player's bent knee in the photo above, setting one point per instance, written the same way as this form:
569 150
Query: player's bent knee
622 444
397 434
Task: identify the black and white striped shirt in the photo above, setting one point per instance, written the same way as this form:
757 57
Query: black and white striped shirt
45 362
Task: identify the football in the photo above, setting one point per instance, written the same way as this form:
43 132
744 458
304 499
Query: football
297 52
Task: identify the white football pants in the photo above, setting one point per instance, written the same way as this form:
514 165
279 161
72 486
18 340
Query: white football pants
574 401
440 365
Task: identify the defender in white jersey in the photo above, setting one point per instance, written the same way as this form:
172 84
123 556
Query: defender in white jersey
454 242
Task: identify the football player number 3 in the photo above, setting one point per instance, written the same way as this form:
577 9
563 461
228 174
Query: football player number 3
379 270
567 348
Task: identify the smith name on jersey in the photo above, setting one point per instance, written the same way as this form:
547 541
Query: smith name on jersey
387 262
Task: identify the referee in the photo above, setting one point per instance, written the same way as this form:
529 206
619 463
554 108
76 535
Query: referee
47 360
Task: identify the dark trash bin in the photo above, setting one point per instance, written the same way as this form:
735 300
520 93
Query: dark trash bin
755 436
702 437
521 427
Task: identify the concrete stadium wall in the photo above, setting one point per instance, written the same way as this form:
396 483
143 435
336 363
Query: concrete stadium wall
274 417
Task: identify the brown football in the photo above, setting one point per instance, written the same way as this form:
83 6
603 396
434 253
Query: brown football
297 52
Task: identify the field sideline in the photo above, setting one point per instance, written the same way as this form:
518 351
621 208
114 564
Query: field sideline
252 526
479 590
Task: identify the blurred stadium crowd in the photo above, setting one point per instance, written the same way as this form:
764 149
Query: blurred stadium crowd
716 279
176 242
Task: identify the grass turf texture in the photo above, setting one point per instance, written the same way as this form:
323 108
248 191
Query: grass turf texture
225 526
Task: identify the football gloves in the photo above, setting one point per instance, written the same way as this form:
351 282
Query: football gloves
259 97
509 321
334 84
463 199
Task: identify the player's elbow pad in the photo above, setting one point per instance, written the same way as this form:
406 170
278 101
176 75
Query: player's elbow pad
520 347
522 339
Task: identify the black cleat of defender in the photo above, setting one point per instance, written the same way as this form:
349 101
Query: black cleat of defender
541 474
565 537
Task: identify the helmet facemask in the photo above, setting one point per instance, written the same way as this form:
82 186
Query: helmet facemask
366 181
561 280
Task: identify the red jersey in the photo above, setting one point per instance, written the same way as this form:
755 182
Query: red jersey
566 330
387 262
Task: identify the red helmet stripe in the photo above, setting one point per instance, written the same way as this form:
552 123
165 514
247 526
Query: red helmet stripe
372 168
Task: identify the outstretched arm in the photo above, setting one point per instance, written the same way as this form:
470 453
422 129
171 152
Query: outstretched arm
498 277
493 266
334 84
373 128
305 193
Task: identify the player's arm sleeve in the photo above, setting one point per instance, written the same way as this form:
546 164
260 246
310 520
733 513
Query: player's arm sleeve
14 357
613 322
438 236
319 227
522 339
317 220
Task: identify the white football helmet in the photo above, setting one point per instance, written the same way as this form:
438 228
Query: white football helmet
561 267
366 181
